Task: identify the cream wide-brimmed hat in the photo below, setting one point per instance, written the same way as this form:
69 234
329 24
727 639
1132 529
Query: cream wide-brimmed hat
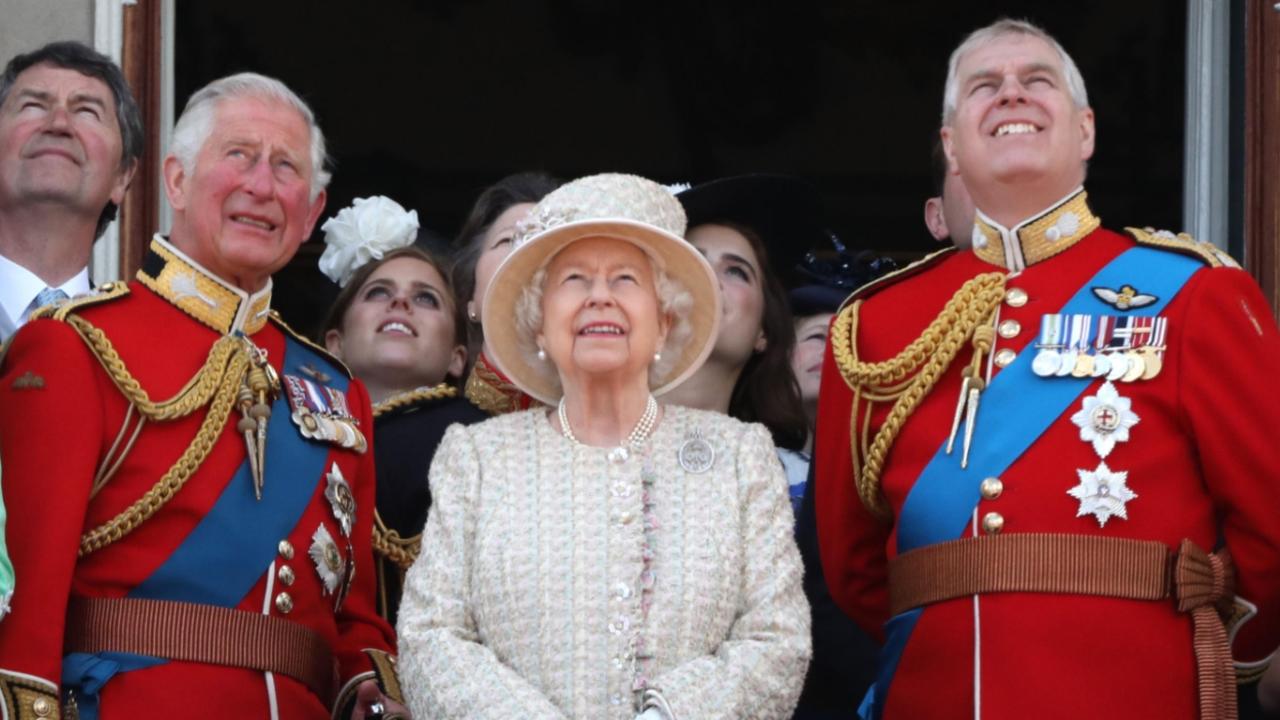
624 207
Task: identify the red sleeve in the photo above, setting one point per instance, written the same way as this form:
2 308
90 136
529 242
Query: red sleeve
360 627
851 542
1231 354
51 428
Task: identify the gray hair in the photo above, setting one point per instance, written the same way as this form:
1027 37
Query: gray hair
674 300
996 30
196 123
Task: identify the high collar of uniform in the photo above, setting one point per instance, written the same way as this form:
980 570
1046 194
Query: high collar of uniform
488 389
174 276
1037 238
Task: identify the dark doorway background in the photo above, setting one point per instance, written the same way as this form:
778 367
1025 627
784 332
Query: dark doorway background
428 102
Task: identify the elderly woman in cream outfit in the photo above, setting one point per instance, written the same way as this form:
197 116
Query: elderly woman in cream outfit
608 558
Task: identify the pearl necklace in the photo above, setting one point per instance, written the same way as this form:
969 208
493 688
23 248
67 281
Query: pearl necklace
634 440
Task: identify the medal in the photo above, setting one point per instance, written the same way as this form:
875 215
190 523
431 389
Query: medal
1084 366
1136 366
1077 345
1119 365
1047 360
1153 353
321 413
1101 365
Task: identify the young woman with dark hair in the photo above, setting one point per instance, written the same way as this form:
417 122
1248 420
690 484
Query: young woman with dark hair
398 327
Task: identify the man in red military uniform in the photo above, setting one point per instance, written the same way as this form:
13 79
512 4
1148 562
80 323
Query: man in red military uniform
189 484
1027 450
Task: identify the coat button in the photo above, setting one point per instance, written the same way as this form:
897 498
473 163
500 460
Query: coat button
1005 357
42 707
285 549
991 488
284 603
1009 329
285 575
1015 297
993 523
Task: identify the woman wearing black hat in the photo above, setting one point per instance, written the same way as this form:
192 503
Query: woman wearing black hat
746 226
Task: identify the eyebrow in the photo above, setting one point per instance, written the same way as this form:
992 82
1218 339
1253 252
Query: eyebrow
89 99
46 96
990 73
416 284
734 257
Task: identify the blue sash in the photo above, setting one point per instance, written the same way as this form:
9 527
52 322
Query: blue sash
232 546
941 501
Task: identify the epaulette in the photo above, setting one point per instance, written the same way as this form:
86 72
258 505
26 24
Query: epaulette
1212 255
105 292
279 321
897 276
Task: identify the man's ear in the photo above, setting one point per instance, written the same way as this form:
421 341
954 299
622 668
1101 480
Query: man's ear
935 220
1087 134
948 148
313 214
123 180
175 179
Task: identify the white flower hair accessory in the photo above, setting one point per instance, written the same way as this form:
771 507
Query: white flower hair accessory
369 229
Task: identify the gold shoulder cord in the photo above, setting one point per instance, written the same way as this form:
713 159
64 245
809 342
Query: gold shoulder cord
389 544
908 377
425 394
215 385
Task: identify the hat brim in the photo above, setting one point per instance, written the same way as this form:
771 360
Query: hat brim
681 261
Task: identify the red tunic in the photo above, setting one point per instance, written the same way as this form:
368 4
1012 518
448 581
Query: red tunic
54 438
1203 460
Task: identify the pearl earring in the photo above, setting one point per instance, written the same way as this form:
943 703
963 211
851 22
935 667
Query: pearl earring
657 357
542 354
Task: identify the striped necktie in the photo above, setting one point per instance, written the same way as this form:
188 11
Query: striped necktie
47 296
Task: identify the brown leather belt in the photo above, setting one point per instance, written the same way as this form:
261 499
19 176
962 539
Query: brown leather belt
193 632
1202 584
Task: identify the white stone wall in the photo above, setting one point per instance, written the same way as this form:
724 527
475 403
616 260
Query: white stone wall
28 24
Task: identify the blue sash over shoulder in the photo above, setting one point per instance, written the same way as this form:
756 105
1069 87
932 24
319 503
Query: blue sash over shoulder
226 554
942 500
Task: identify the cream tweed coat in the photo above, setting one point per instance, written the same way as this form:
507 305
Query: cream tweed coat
557 582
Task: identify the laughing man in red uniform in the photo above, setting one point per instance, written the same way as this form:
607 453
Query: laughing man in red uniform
1045 475
189 483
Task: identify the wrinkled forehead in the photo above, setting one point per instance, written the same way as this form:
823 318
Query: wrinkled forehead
261 119
1008 51
47 78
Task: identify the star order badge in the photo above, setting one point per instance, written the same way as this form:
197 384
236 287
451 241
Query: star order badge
1105 419
1102 493
329 563
340 499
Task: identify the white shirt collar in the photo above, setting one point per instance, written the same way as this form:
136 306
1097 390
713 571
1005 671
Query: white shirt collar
20 286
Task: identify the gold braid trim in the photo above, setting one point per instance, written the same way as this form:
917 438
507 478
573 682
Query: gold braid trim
215 385
388 543
193 396
910 375
423 394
